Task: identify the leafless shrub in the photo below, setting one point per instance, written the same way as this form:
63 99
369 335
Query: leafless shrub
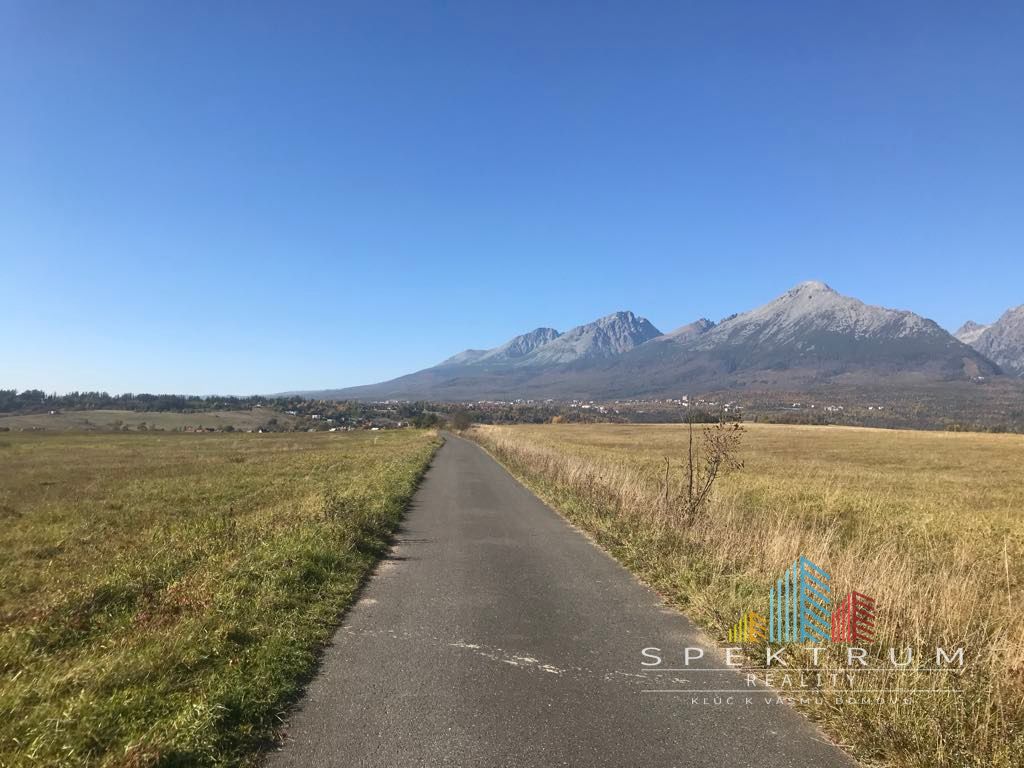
710 456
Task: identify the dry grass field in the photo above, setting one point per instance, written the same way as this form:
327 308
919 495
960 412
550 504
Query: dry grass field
929 524
163 596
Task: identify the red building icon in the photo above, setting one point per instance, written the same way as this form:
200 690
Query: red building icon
853 619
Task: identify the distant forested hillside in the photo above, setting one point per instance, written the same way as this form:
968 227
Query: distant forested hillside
35 400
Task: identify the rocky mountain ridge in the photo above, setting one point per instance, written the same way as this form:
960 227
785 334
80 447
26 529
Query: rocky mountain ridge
1001 341
809 336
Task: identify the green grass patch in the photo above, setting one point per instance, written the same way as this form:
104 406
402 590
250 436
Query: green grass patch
164 598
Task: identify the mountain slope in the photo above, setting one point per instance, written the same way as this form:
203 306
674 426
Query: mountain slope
464 357
809 336
520 364
604 338
970 331
690 331
1003 341
511 351
813 326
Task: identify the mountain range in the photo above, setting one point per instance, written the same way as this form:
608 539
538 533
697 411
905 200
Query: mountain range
1002 341
808 337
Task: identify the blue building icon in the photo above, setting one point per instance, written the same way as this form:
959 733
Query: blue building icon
800 604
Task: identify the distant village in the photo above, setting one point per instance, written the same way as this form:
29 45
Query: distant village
35 411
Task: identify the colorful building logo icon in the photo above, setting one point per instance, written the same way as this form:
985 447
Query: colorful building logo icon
799 604
800 609
853 620
751 628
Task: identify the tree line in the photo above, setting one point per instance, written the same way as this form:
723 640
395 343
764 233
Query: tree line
35 401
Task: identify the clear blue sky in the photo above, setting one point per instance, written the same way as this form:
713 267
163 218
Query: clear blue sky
252 197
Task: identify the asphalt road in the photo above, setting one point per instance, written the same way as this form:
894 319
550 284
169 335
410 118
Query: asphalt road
496 634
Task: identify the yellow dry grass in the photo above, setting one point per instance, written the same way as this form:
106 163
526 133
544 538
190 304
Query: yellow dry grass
929 524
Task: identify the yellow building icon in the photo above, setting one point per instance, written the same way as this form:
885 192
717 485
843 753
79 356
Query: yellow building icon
751 628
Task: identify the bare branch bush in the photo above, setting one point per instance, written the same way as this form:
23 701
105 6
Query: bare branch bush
710 455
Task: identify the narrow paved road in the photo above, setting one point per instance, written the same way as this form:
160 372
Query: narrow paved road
495 634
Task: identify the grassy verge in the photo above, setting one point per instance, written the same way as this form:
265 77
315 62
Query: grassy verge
929 524
163 598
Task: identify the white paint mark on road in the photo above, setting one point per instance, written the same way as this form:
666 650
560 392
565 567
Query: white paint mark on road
503 656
